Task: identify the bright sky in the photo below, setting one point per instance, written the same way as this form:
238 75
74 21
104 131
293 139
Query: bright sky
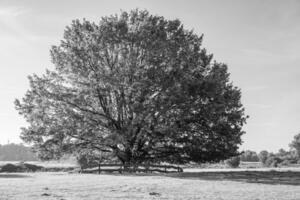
258 39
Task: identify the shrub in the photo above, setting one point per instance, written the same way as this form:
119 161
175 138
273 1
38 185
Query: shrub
10 168
285 163
87 161
22 167
273 161
263 156
249 156
233 162
90 159
32 168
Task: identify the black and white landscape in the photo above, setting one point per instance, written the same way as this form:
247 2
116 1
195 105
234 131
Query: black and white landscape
149 99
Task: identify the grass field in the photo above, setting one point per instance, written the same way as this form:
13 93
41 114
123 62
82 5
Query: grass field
212 185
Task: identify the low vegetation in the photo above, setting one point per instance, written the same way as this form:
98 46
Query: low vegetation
233 162
21 167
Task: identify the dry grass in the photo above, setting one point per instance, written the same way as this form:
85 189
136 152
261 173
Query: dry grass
189 185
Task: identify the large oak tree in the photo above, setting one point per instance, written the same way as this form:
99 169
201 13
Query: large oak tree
135 86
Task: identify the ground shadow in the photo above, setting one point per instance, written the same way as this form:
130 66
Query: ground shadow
264 177
13 176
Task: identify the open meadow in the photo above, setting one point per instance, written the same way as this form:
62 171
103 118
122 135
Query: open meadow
231 185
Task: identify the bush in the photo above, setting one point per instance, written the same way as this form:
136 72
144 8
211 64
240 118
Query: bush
233 162
272 161
263 156
90 159
249 156
285 163
87 160
22 167
32 168
10 168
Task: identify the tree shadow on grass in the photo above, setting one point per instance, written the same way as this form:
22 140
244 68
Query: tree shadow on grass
264 177
13 176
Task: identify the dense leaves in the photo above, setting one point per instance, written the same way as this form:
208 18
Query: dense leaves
263 156
249 156
295 144
233 162
281 158
137 86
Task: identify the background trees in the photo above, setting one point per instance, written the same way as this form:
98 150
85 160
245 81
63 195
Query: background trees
295 144
249 156
282 157
16 152
137 86
263 156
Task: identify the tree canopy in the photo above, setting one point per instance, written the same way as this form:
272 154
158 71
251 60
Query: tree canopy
138 87
249 156
295 144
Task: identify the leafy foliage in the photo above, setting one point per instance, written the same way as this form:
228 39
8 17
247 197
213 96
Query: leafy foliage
295 144
138 87
281 158
10 168
263 156
273 161
21 167
89 158
249 156
233 162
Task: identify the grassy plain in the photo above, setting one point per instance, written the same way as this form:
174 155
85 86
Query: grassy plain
193 184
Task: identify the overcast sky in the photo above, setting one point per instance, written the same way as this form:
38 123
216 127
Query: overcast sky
259 40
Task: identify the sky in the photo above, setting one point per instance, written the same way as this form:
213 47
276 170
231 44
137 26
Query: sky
258 40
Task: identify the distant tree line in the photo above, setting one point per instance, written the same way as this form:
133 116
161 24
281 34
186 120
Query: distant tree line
249 156
16 152
281 158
